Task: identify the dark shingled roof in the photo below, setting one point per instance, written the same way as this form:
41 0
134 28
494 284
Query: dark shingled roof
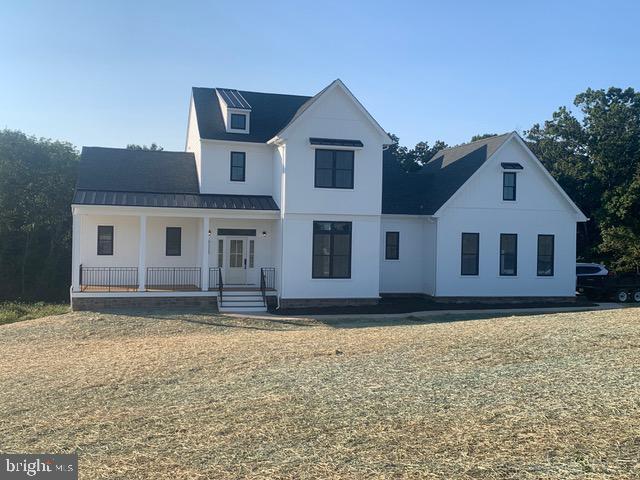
124 170
270 112
143 178
424 192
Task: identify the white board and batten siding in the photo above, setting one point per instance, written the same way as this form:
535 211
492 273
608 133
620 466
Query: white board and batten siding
540 208
333 115
430 257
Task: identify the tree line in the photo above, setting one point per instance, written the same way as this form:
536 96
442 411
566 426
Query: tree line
594 155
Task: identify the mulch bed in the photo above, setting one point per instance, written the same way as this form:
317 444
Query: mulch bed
390 305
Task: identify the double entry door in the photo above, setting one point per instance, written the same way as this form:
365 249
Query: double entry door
239 264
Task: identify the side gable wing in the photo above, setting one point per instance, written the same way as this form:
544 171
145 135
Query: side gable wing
512 147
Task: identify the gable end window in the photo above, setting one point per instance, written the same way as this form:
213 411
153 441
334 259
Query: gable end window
238 121
331 250
508 254
174 242
392 246
470 254
509 186
545 255
238 166
105 239
334 169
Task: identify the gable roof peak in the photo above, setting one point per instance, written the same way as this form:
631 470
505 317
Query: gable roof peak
310 102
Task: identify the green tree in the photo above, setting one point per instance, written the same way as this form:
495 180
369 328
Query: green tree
414 159
37 178
597 161
153 147
482 136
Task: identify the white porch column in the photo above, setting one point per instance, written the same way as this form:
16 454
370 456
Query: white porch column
75 253
142 254
204 245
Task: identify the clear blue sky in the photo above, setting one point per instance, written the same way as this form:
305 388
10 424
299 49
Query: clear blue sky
116 72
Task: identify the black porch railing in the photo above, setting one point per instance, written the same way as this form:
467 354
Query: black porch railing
108 278
215 278
173 278
215 281
268 276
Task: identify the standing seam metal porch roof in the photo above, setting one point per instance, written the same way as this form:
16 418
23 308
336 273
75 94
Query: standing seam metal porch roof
143 178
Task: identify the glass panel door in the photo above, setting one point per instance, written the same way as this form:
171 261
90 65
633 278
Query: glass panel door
236 265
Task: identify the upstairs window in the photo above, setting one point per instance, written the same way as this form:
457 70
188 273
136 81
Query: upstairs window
238 164
545 255
331 250
334 169
509 186
508 254
470 254
174 241
238 121
392 246
105 239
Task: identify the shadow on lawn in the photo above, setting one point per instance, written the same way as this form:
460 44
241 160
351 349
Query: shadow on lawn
274 323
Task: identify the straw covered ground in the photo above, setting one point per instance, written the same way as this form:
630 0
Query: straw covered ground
192 396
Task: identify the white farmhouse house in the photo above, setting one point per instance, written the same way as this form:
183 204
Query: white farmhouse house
294 200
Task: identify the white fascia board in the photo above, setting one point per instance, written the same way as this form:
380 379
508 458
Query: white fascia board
581 217
175 212
191 105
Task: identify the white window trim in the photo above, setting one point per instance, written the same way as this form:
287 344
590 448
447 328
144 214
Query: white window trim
238 111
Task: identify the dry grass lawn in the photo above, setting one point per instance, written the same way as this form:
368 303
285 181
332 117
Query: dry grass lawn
196 397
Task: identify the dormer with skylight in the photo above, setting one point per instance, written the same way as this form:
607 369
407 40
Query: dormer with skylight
236 111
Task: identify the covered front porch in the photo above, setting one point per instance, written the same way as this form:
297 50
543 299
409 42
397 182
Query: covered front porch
142 251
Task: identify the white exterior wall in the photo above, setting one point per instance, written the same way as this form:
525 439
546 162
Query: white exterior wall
193 143
156 242
216 168
126 236
297 259
415 270
430 257
406 274
333 115
478 207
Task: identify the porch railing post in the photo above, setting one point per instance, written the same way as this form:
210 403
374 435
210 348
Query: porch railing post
204 270
142 254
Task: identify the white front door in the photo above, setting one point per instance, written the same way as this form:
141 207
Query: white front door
236 262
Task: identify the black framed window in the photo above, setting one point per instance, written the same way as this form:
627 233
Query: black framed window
392 246
105 239
238 121
331 250
470 254
508 254
174 242
334 168
509 186
546 255
238 166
